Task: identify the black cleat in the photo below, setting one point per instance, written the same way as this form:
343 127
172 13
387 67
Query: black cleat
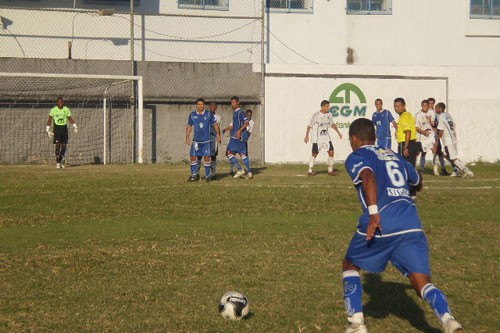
193 178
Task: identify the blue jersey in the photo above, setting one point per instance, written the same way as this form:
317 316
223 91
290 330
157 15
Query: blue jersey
394 176
202 123
239 120
382 121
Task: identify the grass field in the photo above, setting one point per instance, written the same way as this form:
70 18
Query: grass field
135 248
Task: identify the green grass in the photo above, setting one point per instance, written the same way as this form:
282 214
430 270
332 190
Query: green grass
135 248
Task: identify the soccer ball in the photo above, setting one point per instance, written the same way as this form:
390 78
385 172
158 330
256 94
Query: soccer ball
234 305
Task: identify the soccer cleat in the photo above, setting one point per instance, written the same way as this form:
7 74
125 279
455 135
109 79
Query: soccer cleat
58 165
208 179
436 171
193 178
332 173
311 173
452 326
356 328
468 174
445 173
454 174
239 174
249 175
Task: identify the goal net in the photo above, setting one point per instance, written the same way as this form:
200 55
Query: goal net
107 109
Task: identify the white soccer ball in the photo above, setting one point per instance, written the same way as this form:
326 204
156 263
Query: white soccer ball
234 305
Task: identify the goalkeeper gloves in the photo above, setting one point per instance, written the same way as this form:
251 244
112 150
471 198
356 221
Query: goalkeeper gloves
75 128
49 133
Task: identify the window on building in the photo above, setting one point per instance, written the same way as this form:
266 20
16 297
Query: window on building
485 9
290 5
369 7
113 2
204 4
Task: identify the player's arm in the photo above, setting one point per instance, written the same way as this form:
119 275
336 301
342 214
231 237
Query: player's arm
189 128
73 122
337 130
308 130
217 130
438 139
406 145
369 184
242 128
47 129
395 124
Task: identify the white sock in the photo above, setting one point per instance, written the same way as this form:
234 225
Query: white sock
330 164
311 163
461 166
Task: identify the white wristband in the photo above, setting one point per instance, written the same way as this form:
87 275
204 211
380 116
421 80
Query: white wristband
372 209
47 128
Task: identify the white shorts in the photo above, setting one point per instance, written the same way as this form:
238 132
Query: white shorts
451 151
427 144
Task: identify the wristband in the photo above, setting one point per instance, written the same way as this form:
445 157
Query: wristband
372 209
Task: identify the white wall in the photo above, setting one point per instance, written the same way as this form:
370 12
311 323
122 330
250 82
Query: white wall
472 95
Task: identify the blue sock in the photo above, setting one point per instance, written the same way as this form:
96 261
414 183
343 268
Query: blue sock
436 299
234 162
213 166
207 169
422 161
246 160
194 166
353 292
441 161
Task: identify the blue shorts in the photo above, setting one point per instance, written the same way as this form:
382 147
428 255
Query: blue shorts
237 146
201 149
409 253
384 142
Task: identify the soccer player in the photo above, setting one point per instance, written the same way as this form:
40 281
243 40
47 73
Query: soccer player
59 116
213 144
247 133
202 121
424 122
321 140
383 119
439 153
389 229
236 143
448 136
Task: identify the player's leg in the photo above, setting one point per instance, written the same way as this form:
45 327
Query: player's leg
58 154
411 257
312 159
246 161
193 158
198 164
353 297
213 163
422 161
62 153
331 154
208 167
232 148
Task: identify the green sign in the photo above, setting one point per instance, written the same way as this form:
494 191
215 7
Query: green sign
348 100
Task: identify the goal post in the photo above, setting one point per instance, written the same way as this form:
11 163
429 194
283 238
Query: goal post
100 104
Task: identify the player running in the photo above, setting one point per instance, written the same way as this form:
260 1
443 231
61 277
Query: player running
60 115
237 144
389 229
322 121
201 120
448 136
383 119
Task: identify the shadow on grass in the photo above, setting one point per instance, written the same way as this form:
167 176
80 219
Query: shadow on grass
388 298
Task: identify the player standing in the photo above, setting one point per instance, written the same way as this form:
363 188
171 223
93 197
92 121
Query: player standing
392 233
383 119
439 153
213 139
236 143
448 136
424 122
59 116
321 140
201 120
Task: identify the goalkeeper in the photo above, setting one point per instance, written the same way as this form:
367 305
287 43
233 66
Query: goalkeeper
59 116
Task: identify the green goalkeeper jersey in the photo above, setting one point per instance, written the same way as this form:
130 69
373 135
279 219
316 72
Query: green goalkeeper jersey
60 116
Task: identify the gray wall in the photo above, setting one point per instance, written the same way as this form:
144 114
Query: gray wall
170 91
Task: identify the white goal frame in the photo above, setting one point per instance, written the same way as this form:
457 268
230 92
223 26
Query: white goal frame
118 78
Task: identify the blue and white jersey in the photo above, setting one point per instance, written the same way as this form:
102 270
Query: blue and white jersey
202 123
239 120
394 176
382 121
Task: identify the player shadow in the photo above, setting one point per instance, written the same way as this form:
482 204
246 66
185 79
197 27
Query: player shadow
325 172
258 170
391 298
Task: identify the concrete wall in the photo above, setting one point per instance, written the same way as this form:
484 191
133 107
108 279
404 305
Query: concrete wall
471 93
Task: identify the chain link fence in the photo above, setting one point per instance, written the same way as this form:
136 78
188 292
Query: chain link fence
184 49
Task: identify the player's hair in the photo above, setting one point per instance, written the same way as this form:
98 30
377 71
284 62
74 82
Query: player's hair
249 111
379 100
441 105
59 98
400 100
363 129
235 98
200 100
324 102
213 103
431 99
425 101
